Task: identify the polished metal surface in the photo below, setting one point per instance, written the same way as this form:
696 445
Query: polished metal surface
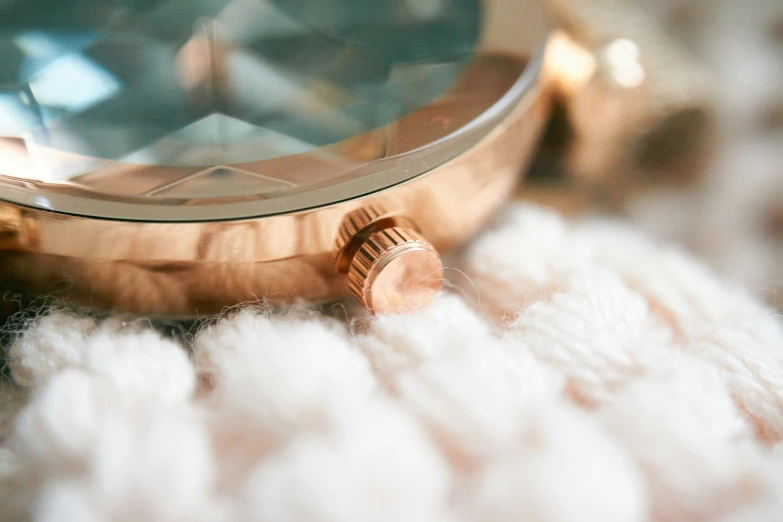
167 110
638 106
226 220
188 237
395 270
196 269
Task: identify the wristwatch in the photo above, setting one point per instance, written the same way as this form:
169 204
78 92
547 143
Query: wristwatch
174 157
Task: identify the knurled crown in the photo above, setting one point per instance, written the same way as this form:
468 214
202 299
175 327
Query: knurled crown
356 221
360 224
395 270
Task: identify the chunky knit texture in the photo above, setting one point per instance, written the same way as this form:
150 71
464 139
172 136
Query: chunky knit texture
572 372
734 219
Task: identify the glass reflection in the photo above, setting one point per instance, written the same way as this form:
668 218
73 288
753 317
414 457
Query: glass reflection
210 82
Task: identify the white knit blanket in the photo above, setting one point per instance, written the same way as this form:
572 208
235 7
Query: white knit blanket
572 372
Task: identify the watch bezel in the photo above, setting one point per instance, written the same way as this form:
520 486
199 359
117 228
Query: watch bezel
367 179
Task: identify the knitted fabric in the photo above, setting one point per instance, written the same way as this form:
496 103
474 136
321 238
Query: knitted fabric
571 372
734 219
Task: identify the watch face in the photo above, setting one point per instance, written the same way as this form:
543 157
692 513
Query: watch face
219 109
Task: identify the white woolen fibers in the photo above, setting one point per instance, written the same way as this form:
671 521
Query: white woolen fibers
527 250
377 465
727 217
156 465
565 468
57 429
54 342
461 378
751 363
595 329
65 501
693 473
140 364
621 382
285 390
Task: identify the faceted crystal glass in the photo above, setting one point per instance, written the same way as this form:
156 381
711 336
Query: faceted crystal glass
194 101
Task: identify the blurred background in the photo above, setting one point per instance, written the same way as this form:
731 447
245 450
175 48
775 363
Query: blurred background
699 160
733 216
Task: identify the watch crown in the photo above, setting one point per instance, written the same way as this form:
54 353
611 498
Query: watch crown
395 270
356 222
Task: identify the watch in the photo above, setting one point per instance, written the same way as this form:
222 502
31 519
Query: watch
174 157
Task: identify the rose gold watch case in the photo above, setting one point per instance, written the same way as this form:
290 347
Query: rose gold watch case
102 239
